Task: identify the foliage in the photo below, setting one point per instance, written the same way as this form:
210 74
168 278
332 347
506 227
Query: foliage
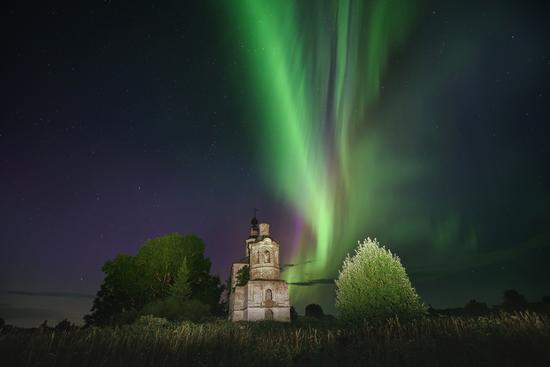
176 310
293 314
160 259
2 322
181 289
373 285
44 326
243 275
122 291
150 322
475 308
314 310
64 325
513 301
517 339
171 265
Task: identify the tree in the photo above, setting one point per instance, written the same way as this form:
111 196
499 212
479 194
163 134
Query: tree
63 325
181 289
314 310
43 327
293 314
122 291
475 308
513 301
243 275
167 266
373 285
160 259
2 322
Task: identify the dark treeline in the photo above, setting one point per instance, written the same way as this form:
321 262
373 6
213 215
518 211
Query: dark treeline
512 301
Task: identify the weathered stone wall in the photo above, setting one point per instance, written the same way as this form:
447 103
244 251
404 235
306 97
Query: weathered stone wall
264 260
265 297
264 229
237 303
260 314
259 295
237 316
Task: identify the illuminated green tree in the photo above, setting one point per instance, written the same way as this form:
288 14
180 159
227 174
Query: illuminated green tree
160 259
373 285
181 289
171 266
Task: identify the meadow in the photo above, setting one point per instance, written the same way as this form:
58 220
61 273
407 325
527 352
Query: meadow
515 339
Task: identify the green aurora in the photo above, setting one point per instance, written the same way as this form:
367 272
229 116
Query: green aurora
336 130
318 72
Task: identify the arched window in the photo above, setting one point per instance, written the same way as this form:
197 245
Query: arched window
268 295
268 314
267 257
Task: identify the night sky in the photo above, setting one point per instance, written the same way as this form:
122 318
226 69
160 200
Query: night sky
123 121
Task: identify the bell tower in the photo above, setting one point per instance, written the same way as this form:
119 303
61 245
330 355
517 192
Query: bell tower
264 256
254 233
265 295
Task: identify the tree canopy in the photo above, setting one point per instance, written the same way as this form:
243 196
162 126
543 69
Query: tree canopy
168 266
512 300
373 285
314 310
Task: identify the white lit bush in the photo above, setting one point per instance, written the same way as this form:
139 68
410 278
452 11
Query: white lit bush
373 285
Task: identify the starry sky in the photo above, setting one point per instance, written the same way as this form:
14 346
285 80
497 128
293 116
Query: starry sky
123 121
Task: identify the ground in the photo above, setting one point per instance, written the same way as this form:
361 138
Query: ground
518 339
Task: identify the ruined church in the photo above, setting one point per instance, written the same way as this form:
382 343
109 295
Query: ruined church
257 291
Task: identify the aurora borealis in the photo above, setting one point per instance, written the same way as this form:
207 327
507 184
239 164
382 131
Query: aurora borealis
420 123
334 143
325 71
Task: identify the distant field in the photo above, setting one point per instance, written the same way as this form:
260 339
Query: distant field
521 339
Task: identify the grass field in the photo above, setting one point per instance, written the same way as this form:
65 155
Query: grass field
521 339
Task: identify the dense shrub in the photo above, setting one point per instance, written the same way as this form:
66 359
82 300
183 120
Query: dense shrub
314 310
293 314
373 285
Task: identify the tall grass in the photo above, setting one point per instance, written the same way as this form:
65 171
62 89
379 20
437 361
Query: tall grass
521 339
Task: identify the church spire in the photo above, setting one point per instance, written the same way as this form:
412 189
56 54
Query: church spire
254 230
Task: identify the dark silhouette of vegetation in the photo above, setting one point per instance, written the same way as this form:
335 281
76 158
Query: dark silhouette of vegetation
315 311
518 339
293 314
243 275
44 326
475 308
168 266
64 325
2 322
513 301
